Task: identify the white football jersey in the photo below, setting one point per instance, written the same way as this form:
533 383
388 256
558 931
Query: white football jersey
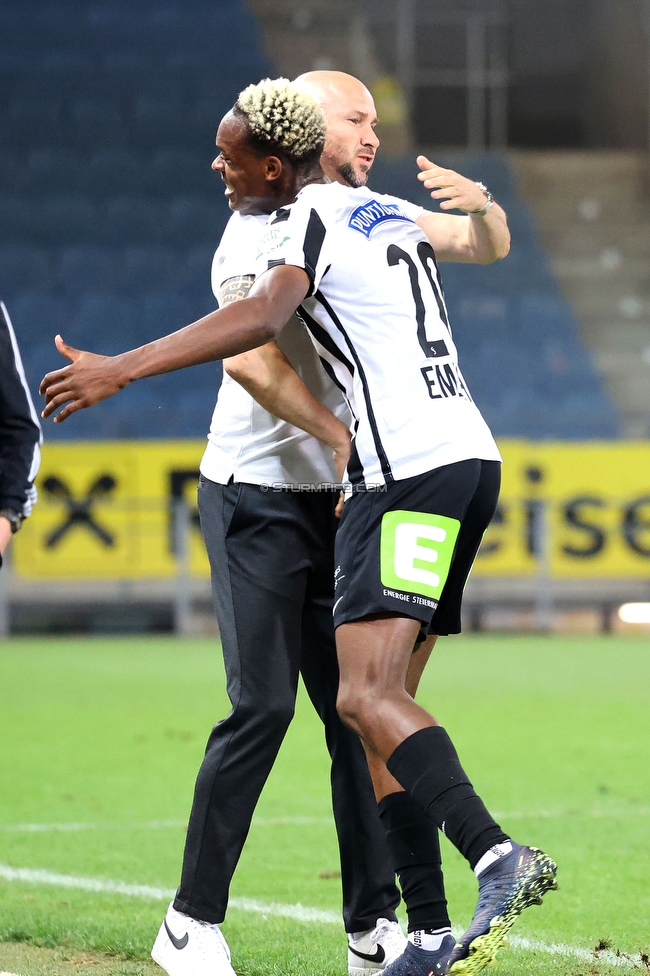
376 314
247 442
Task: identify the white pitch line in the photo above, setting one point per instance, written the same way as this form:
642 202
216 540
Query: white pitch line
36 876
572 812
576 952
292 821
8 974
298 912
41 828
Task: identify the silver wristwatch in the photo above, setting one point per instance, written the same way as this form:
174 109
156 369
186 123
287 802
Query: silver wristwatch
488 203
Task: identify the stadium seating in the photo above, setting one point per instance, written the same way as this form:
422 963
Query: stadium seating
41 315
110 215
23 268
518 339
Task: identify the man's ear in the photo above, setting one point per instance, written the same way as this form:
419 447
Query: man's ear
272 168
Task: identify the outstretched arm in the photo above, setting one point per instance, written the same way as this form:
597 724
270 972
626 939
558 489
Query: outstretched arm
470 239
225 332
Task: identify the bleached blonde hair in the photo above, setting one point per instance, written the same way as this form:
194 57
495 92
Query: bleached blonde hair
281 116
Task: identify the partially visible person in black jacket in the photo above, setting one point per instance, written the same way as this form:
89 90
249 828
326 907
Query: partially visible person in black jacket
20 437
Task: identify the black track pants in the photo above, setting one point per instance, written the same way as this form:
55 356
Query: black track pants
271 555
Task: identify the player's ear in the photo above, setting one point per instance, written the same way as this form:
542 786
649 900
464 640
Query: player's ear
273 168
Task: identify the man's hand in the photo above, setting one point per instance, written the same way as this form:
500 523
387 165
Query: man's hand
456 237
5 533
88 380
455 191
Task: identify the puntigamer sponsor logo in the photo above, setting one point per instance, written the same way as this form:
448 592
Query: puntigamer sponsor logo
365 218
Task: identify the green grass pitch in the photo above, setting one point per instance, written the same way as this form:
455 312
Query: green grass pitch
108 735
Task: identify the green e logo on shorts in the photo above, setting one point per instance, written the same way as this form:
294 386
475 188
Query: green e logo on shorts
416 551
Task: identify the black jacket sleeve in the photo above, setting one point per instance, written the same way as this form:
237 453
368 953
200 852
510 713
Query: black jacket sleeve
20 430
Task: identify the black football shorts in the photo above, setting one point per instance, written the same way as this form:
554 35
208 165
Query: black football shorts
409 549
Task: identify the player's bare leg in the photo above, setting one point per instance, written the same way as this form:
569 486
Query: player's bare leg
382 781
374 655
414 844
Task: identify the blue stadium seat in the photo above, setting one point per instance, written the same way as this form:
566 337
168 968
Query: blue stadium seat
55 170
133 220
150 268
544 315
159 120
521 224
193 220
13 20
43 26
67 219
163 312
206 113
195 265
39 315
115 169
97 121
561 377
104 322
476 317
188 414
18 218
181 276
36 120
588 416
61 73
83 269
509 364
13 171
171 169
24 267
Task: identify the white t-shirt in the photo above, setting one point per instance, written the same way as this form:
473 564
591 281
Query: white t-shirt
247 442
376 314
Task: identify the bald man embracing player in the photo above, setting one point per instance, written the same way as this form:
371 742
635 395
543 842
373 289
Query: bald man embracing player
270 539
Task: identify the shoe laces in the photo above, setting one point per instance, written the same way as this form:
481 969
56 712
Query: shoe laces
388 933
217 939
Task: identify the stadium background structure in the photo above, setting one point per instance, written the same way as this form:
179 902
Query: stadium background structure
110 216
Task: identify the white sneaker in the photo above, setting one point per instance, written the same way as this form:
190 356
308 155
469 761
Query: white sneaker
370 952
186 947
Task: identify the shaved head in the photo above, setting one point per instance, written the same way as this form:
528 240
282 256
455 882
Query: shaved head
349 110
330 87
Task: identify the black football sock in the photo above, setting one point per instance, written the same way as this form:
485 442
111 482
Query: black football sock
414 847
427 765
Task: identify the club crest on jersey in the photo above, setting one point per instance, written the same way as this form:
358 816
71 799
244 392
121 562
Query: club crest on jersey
271 241
367 217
